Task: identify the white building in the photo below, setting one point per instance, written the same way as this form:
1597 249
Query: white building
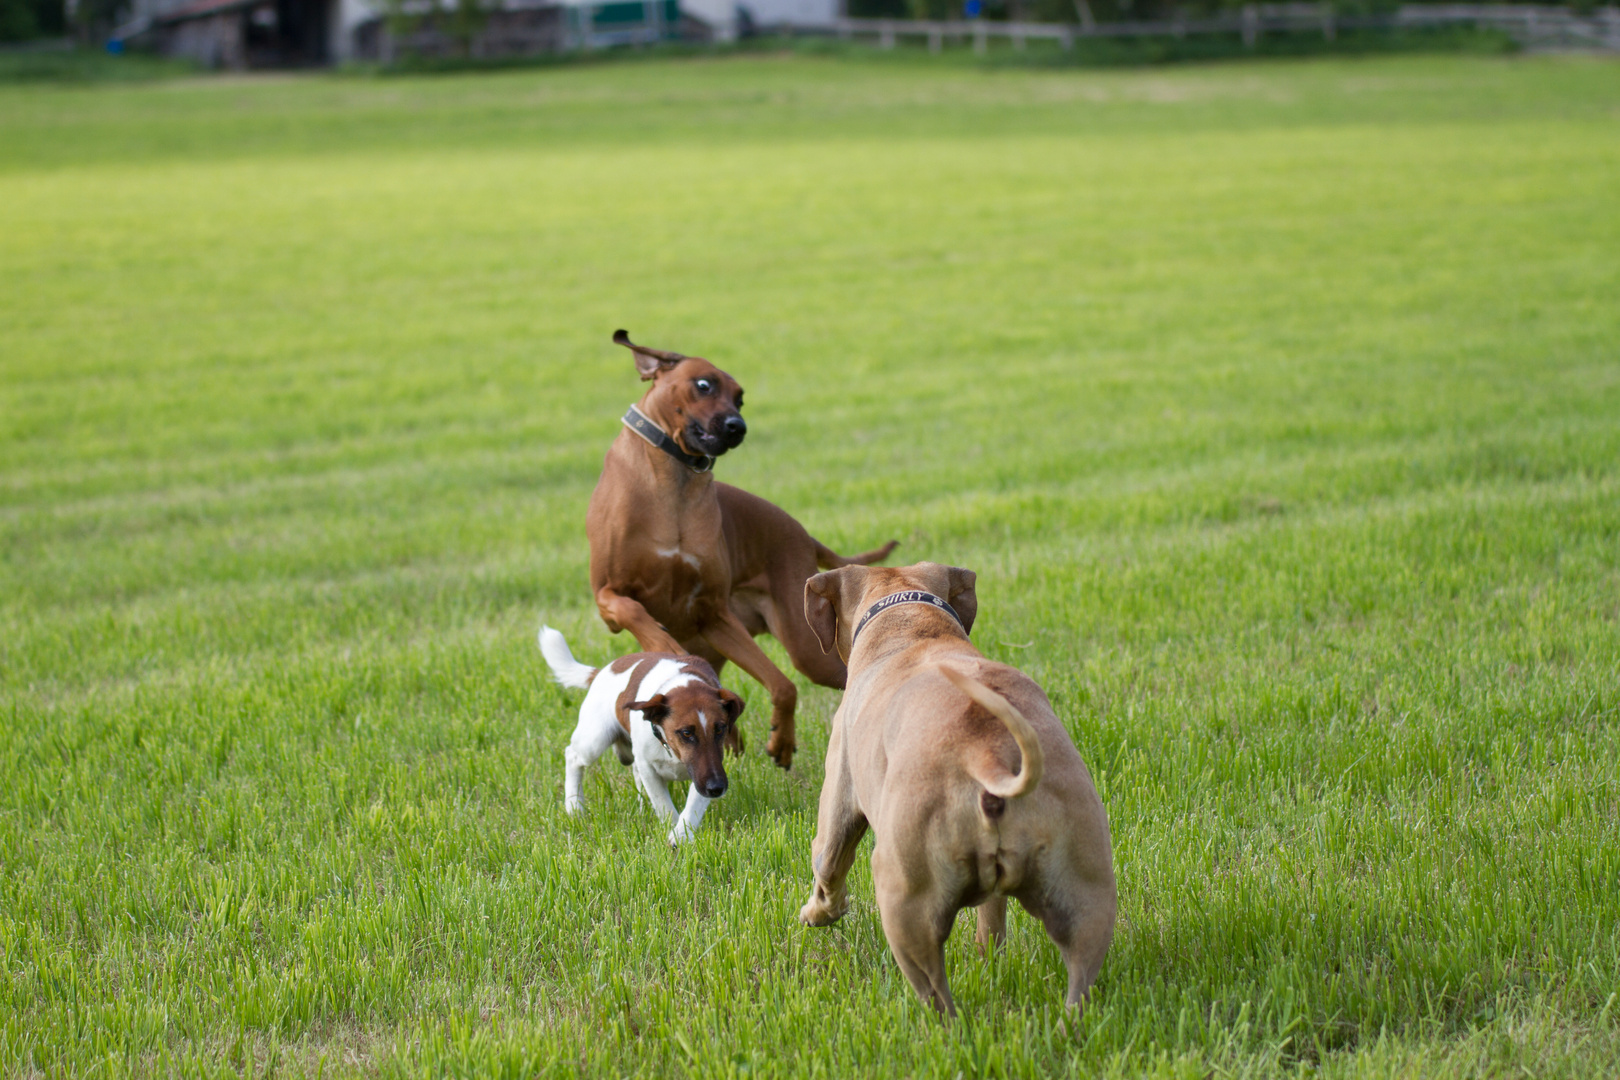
302 33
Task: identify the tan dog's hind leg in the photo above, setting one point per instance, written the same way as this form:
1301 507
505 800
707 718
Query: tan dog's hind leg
733 641
1082 938
624 613
915 931
992 924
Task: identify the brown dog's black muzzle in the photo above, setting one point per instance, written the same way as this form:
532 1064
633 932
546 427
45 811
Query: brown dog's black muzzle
717 436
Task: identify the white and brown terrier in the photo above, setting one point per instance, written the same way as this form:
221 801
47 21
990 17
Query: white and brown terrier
665 715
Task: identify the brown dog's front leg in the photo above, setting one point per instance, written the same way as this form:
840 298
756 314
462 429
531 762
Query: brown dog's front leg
733 641
624 613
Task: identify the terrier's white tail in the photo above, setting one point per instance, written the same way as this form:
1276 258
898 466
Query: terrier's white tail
564 668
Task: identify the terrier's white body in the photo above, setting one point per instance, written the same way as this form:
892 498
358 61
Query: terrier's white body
605 720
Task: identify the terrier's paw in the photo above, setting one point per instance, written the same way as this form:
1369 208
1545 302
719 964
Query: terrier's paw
681 833
574 806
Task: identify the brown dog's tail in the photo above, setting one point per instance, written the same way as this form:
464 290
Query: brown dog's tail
996 780
828 559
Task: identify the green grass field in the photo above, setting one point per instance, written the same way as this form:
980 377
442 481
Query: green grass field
1277 406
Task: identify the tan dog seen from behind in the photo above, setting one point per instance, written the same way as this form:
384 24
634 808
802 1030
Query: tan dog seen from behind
963 772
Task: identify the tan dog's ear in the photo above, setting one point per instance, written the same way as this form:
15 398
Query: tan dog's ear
827 598
963 600
731 703
821 608
648 361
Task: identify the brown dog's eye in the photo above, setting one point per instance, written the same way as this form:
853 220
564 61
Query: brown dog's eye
688 736
719 731
704 387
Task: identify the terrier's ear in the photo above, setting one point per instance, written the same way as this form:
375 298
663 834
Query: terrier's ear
731 703
821 608
961 596
655 710
649 362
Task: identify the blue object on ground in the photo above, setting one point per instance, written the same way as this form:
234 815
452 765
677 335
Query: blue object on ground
115 46
972 8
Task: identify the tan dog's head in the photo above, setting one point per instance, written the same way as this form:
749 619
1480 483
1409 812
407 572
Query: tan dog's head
693 721
835 601
691 399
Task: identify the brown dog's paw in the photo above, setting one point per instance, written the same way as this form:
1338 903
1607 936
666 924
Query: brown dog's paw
780 749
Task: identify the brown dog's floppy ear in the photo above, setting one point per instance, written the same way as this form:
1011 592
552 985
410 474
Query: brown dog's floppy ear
963 600
821 608
648 361
731 703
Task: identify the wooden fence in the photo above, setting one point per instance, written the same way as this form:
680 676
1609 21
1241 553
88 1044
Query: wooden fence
1533 25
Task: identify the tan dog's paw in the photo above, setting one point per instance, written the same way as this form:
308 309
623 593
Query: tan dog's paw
781 749
817 911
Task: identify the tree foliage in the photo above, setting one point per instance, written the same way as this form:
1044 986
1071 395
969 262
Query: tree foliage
22 20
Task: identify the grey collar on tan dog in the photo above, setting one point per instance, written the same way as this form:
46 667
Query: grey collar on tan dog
909 596
637 421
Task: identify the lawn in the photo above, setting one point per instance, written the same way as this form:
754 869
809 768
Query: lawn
1277 406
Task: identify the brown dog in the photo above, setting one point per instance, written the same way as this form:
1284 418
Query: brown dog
689 565
964 773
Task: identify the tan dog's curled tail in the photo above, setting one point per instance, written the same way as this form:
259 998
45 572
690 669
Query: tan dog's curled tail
1001 783
564 668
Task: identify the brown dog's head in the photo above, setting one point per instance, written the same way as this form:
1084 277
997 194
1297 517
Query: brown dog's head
835 601
691 399
693 721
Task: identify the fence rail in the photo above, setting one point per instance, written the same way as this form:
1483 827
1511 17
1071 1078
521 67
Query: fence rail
1533 25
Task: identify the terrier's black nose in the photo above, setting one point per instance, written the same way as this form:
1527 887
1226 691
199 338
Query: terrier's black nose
714 789
736 428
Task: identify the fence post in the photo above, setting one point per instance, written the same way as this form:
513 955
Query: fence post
1067 40
886 34
936 39
1329 30
1251 25
980 37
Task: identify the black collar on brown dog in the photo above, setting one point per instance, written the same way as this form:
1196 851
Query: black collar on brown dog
909 596
637 421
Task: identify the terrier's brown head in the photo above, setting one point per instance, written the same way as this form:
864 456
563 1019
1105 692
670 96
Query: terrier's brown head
691 399
693 720
835 601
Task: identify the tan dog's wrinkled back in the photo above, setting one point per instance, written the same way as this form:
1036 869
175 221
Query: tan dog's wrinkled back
964 773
